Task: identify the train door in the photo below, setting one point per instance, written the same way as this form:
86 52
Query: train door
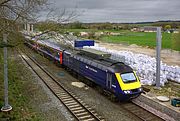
61 57
108 80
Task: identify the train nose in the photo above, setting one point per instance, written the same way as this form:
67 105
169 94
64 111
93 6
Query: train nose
133 91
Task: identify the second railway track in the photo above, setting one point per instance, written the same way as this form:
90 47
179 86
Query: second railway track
75 105
140 112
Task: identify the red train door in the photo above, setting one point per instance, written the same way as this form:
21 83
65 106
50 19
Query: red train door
61 57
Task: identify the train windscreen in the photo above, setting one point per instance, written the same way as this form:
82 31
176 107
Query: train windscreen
128 77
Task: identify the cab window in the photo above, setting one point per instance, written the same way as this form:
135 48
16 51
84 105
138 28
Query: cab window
128 77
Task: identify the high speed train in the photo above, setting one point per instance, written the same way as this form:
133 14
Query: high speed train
116 78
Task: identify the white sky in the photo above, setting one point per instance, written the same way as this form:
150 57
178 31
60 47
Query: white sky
122 10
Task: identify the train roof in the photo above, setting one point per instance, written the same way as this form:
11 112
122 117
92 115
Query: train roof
105 64
95 54
50 43
102 63
120 68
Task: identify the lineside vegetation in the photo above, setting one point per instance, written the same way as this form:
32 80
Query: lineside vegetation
20 91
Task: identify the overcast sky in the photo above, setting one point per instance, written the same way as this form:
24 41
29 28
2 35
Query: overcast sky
122 10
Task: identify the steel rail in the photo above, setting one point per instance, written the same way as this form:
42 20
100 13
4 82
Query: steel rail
140 112
78 108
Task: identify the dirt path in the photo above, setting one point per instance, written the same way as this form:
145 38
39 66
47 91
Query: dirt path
167 56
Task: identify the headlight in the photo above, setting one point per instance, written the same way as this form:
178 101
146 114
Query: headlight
127 92
140 89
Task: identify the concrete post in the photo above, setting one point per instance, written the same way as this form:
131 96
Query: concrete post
28 27
6 106
158 56
25 26
32 29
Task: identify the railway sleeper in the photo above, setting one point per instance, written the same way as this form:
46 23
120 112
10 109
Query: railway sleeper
57 90
83 113
91 119
73 106
74 109
85 117
65 95
60 92
89 108
59 95
79 111
70 101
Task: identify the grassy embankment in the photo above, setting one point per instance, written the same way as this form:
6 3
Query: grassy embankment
20 91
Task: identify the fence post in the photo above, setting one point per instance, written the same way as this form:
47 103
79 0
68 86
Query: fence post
6 106
158 56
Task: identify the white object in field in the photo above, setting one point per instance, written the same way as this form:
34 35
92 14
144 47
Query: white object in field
78 84
144 65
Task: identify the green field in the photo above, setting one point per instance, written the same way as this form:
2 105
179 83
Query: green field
90 30
139 38
144 39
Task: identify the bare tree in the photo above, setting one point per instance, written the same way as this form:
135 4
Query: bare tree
55 17
18 10
14 13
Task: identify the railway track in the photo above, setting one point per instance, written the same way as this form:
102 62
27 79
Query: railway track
140 112
80 110
132 108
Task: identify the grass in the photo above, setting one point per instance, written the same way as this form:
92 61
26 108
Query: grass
170 89
142 39
19 96
176 41
169 40
90 30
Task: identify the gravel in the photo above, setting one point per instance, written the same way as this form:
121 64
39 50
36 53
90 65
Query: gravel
46 103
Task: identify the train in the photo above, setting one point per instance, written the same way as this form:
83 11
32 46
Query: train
115 78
